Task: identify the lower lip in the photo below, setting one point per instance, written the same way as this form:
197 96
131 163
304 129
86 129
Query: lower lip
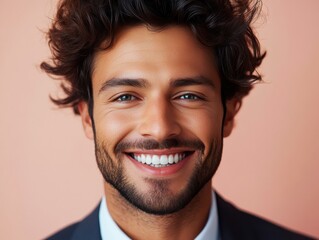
161 171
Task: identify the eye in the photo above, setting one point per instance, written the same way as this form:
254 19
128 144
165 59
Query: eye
189 96
125 98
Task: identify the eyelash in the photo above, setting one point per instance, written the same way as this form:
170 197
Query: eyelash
130 97
119 98
189 96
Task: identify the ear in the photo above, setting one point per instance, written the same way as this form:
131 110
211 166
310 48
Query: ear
232 107
86 120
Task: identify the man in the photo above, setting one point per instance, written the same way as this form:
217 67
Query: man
157 85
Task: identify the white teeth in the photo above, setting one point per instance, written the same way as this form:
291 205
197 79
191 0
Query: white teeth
142 160
170 159
159 160
159 165
163 160
176 157
148 159
155 159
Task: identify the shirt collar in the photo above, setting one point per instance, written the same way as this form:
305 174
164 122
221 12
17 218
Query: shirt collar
110 230
211 228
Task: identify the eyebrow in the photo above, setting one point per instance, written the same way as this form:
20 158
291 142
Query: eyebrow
142 83
189 81
115 82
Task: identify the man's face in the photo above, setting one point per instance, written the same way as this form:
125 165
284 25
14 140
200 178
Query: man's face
158 117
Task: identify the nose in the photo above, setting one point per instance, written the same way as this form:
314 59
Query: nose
159 121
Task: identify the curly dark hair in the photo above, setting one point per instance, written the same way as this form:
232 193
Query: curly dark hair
80 27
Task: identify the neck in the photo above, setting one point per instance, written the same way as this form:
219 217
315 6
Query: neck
184 224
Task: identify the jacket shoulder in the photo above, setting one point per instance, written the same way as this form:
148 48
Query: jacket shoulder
64 234
88 228
239 224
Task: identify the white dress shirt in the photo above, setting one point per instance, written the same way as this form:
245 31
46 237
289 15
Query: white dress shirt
110 230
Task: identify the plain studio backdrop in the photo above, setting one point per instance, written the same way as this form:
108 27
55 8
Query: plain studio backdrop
48 174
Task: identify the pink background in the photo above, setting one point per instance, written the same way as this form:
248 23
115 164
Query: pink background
48 175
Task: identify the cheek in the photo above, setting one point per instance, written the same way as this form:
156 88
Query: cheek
205 125
112 126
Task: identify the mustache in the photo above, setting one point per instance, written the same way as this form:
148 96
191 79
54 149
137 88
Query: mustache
151 144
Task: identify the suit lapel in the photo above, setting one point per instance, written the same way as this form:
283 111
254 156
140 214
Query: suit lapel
230 225
89 227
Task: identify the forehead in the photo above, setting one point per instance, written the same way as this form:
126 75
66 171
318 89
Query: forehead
138 52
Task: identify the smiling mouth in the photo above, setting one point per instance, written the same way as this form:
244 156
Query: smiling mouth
159 161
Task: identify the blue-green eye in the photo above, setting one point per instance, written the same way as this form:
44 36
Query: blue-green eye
125 98
189 96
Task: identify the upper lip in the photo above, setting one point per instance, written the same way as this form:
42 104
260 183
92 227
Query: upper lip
160 151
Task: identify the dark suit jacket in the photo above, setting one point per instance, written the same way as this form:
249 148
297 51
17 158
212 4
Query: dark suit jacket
233 224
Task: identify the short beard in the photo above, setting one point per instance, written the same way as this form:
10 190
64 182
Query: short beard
159 200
